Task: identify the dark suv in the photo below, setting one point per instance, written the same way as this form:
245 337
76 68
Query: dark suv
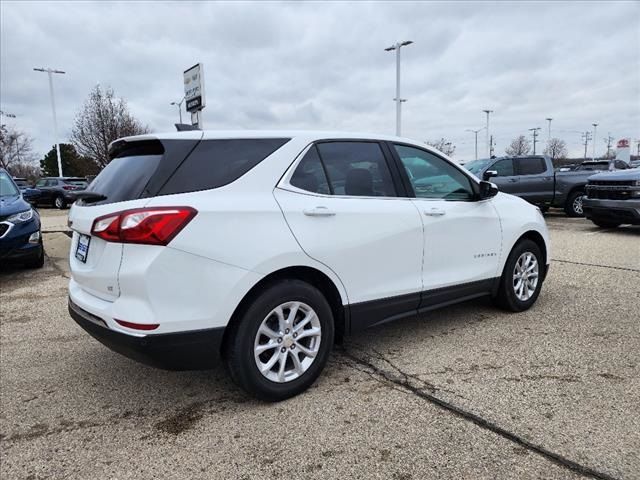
59 191
20 236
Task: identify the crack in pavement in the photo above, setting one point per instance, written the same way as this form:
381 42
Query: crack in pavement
408 383
627 269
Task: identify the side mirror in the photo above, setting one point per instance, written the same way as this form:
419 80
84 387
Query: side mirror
487 190
489 174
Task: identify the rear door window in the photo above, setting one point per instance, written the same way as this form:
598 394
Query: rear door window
215 163
310 174
531 166
356 169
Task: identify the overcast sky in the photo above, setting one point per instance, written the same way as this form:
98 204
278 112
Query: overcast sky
323 65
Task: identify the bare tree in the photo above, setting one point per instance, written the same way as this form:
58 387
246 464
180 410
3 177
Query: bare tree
16 148
519 146
444 145
556 149
103 119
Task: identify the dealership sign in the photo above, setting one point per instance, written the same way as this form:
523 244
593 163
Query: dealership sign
194 88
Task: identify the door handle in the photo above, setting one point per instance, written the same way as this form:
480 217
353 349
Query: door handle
513 180
434 212
318 212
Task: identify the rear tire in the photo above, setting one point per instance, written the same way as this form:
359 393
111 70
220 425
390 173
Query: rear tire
292 302
573 206
605 224
510 296
59 202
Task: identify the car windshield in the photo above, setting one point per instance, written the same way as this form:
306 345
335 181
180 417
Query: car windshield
476 166
7 187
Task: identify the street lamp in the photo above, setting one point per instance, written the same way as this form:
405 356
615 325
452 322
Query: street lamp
593 151
398 100
53 109
548 119
179 105
487 127
476 134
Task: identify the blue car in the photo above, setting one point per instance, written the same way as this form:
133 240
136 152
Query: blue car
20 236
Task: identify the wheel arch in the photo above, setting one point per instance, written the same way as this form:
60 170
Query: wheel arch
537 238
311 275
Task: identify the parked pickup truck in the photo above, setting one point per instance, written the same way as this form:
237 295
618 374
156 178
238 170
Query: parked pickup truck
613 198
533 178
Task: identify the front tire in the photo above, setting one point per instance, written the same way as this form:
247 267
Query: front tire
38 261
522 277
281 342
573 207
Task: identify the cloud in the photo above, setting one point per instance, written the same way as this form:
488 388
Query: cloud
323 65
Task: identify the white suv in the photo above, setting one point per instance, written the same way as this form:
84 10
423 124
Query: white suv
264 248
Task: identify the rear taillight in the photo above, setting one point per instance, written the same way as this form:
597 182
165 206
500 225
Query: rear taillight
69 187
148 226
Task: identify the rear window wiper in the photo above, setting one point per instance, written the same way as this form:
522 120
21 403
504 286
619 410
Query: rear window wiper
90 197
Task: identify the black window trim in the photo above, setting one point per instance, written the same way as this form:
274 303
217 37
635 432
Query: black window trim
475 185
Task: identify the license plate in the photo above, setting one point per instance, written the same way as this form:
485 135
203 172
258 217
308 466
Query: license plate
82 250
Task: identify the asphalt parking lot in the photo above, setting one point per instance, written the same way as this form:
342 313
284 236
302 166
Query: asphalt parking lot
465 392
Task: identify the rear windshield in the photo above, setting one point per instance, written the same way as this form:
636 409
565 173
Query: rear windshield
178 166
124 178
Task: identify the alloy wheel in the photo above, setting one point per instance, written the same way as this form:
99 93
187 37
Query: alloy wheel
287 342
525 276
577 205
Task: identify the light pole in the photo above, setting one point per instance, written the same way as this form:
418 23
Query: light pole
476 134
53 109
398 99
179 105
487 127
548 119
593 151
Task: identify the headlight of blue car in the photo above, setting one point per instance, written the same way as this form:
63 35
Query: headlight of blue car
21 217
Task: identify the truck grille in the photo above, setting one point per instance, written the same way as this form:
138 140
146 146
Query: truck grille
610 190
614 183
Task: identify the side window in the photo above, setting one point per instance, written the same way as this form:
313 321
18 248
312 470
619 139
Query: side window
503 167
309 174
531 166
357 169
41 183
433 177
52 183
215 163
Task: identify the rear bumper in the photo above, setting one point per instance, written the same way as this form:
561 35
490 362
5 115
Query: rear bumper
191 350
622 211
